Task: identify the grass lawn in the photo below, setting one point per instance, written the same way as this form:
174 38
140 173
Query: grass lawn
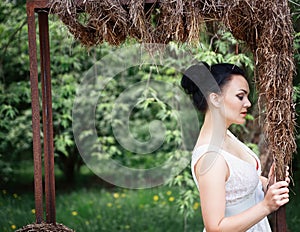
87 207
103 210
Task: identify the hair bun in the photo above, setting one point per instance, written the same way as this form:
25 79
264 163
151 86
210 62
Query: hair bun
200 79
191 76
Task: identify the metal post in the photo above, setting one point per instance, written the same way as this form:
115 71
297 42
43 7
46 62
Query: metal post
38 185
280 220
47 117
280 224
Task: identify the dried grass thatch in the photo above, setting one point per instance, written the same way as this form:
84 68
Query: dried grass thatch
264 25
45 227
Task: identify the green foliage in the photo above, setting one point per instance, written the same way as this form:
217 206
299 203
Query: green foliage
13 125
69 63
14 61
15 116
222 49
6 170
150 105
296 96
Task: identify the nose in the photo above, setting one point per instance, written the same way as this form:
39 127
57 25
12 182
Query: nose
247 103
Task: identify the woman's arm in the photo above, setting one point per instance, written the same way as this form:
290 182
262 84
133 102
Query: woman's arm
212 172
277 195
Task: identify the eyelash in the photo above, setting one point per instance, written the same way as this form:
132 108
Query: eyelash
240 97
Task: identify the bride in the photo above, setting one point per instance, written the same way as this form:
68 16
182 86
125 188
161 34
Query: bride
233 194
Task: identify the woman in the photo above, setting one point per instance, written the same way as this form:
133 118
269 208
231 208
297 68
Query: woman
233 195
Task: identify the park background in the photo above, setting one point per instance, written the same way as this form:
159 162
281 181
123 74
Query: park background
85 202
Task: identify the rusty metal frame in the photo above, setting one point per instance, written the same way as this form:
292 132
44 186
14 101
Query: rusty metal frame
41 8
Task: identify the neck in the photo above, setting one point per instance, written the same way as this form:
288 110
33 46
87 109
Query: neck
214 128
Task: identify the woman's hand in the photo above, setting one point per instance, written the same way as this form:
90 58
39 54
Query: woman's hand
277 195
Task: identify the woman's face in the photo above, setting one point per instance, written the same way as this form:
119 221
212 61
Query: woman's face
235 98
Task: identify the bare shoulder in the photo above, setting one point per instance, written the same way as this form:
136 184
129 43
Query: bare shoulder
211 164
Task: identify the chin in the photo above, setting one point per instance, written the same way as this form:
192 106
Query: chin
240 122
237 121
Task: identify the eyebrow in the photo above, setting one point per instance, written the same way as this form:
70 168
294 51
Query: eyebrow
243 91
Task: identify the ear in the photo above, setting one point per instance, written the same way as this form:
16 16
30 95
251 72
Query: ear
215 99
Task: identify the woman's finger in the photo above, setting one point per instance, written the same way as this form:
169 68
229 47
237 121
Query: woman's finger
271 172
288 180
279 184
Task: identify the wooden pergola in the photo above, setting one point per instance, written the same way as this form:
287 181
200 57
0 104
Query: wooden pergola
41 9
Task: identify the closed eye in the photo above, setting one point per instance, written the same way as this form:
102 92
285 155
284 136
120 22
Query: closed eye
240 97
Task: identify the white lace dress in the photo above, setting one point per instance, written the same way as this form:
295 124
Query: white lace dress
243 187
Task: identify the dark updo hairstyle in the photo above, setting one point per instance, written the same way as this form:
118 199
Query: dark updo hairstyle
197 83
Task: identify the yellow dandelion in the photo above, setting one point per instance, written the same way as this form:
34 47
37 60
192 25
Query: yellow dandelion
171 199
74 213
196 205
116 195
13 227
155 198
109 204
127 227
169 193
15 195
33 211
